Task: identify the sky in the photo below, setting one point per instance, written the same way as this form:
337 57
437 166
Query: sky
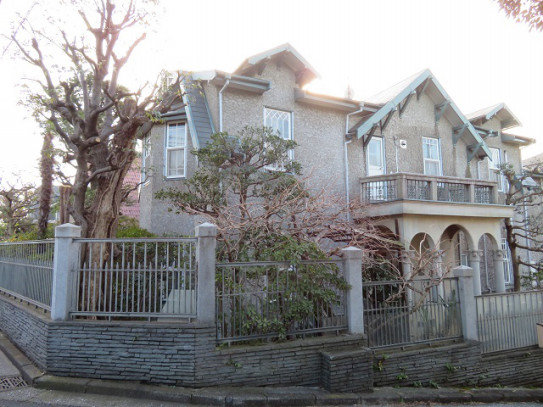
479 55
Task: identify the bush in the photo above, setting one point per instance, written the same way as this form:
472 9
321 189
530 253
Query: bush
129 228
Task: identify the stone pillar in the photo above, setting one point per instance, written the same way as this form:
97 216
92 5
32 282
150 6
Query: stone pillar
205 261
468 306
499 271
475 264
65 267
407 269
352 267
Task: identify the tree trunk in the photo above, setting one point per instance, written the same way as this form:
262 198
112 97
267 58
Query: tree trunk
46 172
512 243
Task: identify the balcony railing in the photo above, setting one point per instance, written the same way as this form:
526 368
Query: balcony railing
405 186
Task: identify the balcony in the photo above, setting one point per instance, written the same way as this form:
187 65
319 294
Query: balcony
404 193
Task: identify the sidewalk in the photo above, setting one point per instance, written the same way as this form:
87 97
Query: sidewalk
250 396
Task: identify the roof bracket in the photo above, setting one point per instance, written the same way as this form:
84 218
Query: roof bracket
458 131
383 125
440 109
424 86
367 137
405 103
474 148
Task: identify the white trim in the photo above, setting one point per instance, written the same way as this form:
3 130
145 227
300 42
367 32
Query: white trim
494 169
167 149
383 156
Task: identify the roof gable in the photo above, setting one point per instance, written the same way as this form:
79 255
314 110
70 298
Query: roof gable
505 116
398 96
286 53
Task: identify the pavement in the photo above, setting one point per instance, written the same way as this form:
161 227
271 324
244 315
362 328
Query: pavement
39 389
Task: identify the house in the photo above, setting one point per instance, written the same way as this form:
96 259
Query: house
426 169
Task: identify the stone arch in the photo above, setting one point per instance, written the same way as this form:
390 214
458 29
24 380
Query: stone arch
486 246
456 242
422 241
389 263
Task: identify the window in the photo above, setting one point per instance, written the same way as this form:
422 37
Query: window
145 158
494 167
176 138
375 157
432 156
281 124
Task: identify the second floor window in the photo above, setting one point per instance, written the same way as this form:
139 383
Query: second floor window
176 138
431 152
281 124
494 165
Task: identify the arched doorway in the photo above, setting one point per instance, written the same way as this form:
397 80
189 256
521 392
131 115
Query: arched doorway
487 246
455 243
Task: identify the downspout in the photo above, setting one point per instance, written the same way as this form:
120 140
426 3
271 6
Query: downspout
345 143
220 103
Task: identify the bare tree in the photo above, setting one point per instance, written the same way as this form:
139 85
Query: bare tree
17 201
97 119
525 11
524 232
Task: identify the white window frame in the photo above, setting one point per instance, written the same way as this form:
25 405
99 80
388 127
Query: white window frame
494 169
507 263
289 116
383 160
145 158
176 148
439 160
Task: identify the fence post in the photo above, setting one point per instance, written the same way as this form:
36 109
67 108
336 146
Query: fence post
64 271
475 263
205 260
352 266
468 306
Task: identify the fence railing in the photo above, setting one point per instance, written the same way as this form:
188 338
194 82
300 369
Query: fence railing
508 321
26 271
401 186
136 278
279 299
399 312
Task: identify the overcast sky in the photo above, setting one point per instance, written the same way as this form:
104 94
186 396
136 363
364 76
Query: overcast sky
479 56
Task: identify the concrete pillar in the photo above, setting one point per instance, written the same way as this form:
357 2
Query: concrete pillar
65 268
499 271
433 190
471 193
205 261
468 305
475 264
352 268
407 266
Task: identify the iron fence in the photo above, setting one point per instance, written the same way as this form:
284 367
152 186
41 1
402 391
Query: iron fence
26 271
400 312
136 278
452 192
418 189
258 300
377 191
483 194
508 321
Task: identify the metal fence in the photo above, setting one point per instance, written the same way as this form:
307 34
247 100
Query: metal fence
418 189
26 271
376 191
508 321
452 192
399 312
278 299
136 278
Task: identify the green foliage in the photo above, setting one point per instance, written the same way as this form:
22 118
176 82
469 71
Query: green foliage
451 368
402 375
129 228
33 234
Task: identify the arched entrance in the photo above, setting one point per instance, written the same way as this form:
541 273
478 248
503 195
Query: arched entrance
487 247
456 244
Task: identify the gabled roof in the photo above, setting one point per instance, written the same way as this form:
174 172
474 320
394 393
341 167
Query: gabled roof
396 99
501 111
305 73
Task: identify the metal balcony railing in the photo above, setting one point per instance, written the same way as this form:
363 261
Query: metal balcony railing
406 186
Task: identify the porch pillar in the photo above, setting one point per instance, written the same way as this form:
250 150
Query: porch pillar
407 265
475 264
205 260
499 271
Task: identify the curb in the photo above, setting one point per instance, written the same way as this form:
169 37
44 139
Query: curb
28 370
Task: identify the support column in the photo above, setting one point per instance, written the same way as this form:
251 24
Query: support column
499 271
468 306
352 268
65 265
205 260
407 270
475 264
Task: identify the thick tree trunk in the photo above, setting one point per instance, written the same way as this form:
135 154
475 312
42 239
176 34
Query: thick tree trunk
511 242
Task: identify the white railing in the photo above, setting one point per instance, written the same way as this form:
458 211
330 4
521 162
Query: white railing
508 321
26 271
